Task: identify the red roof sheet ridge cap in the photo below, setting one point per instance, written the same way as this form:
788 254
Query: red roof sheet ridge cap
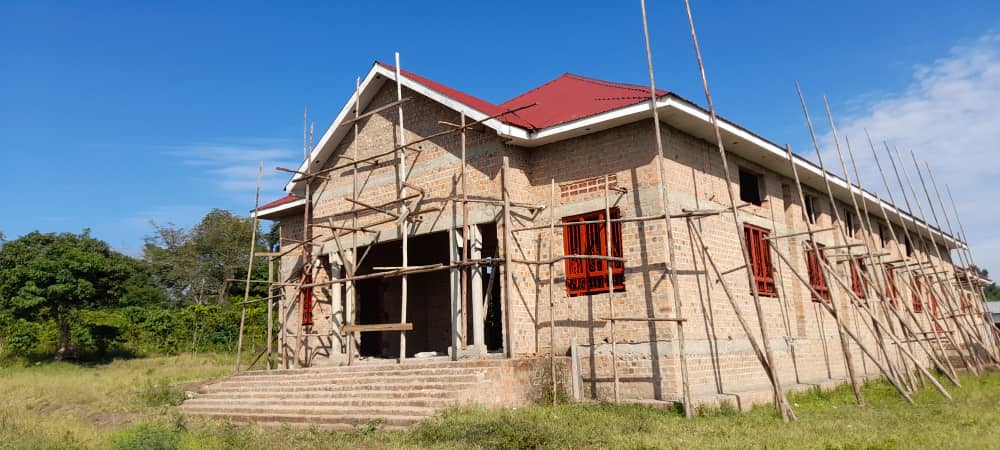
616 84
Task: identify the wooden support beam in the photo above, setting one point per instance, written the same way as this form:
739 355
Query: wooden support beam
801 233
368 328
642 319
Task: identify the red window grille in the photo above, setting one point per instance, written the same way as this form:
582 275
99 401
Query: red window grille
590 276
816 279
918 289
858 283
760 259
306 297
891 291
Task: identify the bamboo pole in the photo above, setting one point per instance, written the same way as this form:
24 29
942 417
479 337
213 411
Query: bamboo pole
903 275
403 213
780 400
736 309
830 309
848 359
917 292
883 270
351 288
552 303
866 234
253 247
928 306
987 318
951 299
507 275
665 206
270 313
973 322
611 290
466 241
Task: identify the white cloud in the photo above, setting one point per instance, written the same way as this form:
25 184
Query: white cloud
950 117
233 167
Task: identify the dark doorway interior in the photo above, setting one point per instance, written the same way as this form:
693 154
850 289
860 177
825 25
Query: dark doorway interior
427 300
493 327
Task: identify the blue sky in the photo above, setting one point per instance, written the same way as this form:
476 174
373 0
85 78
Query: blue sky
115 114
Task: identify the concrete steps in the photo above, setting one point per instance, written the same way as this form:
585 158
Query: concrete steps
398 395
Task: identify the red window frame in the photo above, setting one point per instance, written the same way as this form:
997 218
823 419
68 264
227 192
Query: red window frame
891 291
858 284
918 288
760 259
306 297
816 278
590 276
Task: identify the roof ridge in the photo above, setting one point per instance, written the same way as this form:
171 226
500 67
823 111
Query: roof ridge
536 88
614 84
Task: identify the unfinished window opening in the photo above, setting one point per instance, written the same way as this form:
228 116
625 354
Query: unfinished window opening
760 259
883 236
590 276
909 246
850 224
811 208
750 187
816 279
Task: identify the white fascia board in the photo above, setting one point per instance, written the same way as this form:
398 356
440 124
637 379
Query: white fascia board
475 115
334 129
279 208
675 103
804 164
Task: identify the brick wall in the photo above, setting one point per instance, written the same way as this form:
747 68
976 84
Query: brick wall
803 335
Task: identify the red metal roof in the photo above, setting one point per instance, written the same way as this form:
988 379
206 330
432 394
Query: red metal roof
571 97
279 202
567 98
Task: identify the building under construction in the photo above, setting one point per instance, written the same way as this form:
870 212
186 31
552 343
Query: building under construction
610 241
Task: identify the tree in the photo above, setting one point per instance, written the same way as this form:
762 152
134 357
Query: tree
52 277
193 265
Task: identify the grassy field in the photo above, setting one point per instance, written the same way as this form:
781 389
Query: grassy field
132 404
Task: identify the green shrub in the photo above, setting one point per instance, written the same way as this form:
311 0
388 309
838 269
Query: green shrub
147 436
161 393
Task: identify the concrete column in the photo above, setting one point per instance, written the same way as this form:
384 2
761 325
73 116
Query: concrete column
476 291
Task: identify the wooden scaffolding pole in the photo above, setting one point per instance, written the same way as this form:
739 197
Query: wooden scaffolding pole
350 303
507 275
253 248
403 209
987 318
903 277
270 312
888 286
665 207
917 293
972 325
552 304
926 301
779 395
611 290
848 359
853 263
951 297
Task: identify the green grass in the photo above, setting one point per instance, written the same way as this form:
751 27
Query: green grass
133 404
